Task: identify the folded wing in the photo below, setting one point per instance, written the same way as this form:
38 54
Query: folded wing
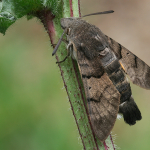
102 97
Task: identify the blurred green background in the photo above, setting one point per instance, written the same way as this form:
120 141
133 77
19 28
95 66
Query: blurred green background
34 109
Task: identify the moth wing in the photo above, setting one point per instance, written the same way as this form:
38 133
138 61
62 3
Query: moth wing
102 97
136 69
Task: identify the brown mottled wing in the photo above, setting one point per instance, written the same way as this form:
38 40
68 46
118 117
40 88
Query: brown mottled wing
137 70
102 97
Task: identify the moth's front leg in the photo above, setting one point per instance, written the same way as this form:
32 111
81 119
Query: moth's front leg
65 41
69 47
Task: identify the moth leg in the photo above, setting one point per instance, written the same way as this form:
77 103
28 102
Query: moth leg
53 45
65 41
130 111
68 53
62 60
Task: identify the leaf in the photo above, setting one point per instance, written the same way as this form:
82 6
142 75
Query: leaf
12 10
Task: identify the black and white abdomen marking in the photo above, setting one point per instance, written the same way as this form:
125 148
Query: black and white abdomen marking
127 107
116 74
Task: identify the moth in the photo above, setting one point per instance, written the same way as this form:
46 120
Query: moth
104 65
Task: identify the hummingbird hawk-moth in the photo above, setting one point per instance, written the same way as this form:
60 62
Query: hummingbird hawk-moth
103 64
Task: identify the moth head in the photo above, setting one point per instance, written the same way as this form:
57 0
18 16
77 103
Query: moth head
67 22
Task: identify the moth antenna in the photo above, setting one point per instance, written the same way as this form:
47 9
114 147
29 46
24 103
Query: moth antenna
99 13
56 47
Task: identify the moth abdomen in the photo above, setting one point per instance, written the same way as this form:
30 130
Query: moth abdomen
118 77
130 111
125 90
128 107
116 74
112 67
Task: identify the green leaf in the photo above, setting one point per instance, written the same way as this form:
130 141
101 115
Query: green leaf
6 19
11 10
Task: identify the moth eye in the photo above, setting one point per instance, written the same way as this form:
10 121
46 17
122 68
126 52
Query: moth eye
89 88
68 31
127 53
